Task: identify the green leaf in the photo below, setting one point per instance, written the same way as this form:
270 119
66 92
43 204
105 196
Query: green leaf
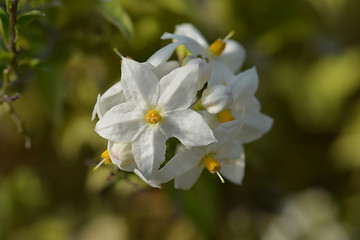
5 57
4 26
113 12
26 18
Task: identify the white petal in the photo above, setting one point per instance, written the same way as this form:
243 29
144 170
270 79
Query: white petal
216 98
233 168
127 164
149 150
233 55
229 130
187 180
220 74
256 124
193 46
225 133
139 83
211 119
120 124
189 127
184 160
231 150
113 90
96 108
245 102
187 29
163 54
151 182
178 89
204 75
112 97
245 82
165 68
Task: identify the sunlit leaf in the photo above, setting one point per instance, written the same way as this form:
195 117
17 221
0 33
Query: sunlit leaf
113 12
26 18
4 26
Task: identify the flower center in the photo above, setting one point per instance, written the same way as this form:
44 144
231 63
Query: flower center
153 117
226 116
218 46
213 166
106 159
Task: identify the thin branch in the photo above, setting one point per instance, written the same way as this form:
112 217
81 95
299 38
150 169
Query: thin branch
20 125
12 70
10 99
13 13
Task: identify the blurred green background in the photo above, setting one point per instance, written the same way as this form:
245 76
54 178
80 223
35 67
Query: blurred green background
302 179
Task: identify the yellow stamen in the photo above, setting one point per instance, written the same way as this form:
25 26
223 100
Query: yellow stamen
106 159
106 156
229 36
153 117
221 178
218 46
226 116
213 166
117 52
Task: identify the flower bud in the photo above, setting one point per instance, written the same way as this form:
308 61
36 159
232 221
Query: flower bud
121 153
216 98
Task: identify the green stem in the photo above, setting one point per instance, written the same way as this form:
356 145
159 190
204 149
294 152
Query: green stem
12 37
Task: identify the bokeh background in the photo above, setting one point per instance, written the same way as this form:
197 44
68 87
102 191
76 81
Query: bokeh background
302 179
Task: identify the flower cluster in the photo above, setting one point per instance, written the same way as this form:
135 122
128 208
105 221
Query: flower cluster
157 100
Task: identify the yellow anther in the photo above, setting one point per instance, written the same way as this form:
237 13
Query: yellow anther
213 166
106 159
153 117
226 116
106 156
218 46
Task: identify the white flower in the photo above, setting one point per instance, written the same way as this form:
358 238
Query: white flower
225 51
155 111
243 87
216 98
157 63
225 158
